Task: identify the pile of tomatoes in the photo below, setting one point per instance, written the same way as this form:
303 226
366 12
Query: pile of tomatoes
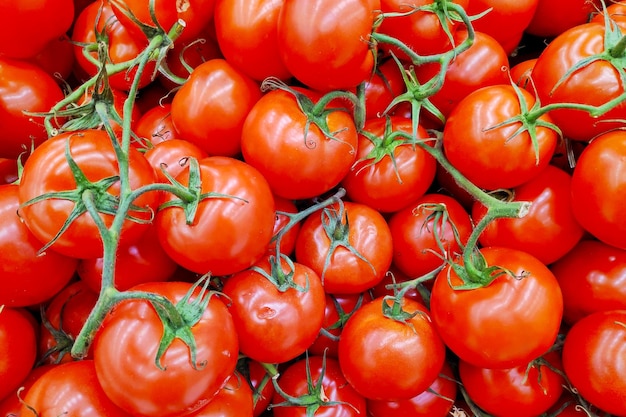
312 208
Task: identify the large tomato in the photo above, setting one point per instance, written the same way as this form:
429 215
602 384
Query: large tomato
508 323
153 380
18 348
47 171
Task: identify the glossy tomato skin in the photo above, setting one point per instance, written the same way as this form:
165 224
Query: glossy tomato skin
233 400
591 278
320 49
508 323
472 142
24 87
230 232
47 170
385 359
18 348
275 326
155 125
172 156
69 389
549 230
293 381
598 183
343 271
594 359
297 167
382 184
26 278
210 108
130 337
10 406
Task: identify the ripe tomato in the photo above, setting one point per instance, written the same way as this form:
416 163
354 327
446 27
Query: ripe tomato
10 406
172 155
521 74
298 163
155 125
275 323
508 323
57 58
312 373
472 139
24 87
320 49
594 359
181 385
382 87
348 245
288 239
255 375
231 229
18 348
387 359
8 171
47 171
553 17
598 182
26 278
591 277
389 173
210 108
233 400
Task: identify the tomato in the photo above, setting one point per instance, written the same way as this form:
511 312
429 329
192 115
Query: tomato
65 316
418 230
233 400
47 171
473 138
24 87
553 17
18 348
594 359
549 230
27 26
484 63
210 108
521 74
593 84
591 277
526 390
394 277
155 125
69 389
276 323
382 87
288 239
436 401
10 406
389 173
388 359
26 277
508 323
597 184
232 227
57 58
183 383
298 166
335 396
259 381
8 171
247 33
320 49
172 156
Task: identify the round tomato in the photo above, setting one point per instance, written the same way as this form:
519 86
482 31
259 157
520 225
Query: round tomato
288 238
553 17
18 348
507 323
234 399
57 58
11 405
155 125
382 87
172 156
157 372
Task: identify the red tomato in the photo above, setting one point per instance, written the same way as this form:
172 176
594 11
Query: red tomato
28 26
388 359
47 171
233 400
594 359
247 33
288 239
231 228
26 277
69 389
183 383
10 406
276 322
591 277
155 125
526 390
64 318
18 348
521 74
508 323
436 401
549 230
24 87
298 162
598 182
382 87
210 108
320 49
418 230
389 173
8 171
473 138
321 377
57 58
553 17
256 375
172 156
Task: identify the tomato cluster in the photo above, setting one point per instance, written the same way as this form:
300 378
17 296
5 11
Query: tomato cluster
312 208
